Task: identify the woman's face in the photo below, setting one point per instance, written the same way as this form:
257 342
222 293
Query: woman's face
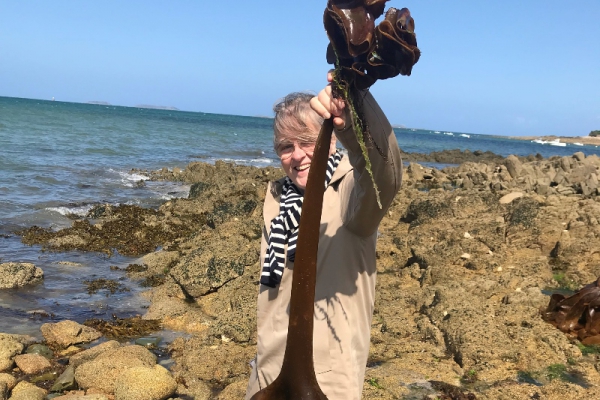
296 157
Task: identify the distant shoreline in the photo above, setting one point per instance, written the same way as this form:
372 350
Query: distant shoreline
563 139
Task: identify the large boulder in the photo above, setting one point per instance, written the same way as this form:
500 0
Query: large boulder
145 383
91 353
14 274
66 333
102 372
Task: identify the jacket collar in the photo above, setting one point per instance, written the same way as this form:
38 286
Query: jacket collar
271 207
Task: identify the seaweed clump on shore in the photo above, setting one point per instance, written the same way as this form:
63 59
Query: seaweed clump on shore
123 328
127 229
578 314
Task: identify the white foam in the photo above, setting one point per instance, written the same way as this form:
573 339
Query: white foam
79 210
130 179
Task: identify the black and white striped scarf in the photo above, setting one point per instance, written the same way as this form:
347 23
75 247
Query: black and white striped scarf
284 227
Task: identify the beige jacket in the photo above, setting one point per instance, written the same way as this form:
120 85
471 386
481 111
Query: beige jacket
346 272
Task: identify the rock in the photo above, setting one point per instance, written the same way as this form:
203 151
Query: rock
415 171
14 274
236 390
560 178
41 350
211 266
32 363
542 189
103 371
7 382
145 383
509 198
579 156
66 333
565 163
66 381
91 353
27 391
513 165
580 174
93 396
9 347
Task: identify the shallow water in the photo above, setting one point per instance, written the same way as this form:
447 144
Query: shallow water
61 158
63 294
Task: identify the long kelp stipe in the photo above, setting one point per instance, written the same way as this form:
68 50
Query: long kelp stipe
297 379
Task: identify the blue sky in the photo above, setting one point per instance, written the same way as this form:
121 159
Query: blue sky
507 68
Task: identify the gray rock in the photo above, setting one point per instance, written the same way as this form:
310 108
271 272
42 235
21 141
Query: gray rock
14 275
66 381
32 363
66 333
41 350
144 383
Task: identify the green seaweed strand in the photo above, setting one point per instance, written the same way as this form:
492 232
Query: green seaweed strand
343 90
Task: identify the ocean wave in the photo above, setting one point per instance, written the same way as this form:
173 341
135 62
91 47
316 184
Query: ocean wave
80 210
129 179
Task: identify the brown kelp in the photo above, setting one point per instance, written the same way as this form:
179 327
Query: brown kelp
578 314
297 379
364 53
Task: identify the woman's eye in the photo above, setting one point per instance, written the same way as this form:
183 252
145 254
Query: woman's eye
288 148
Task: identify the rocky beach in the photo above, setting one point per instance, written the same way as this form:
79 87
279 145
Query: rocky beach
468 257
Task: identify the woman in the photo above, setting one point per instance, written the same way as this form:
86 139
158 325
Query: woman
346 270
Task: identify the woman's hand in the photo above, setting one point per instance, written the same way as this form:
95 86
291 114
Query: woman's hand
327 106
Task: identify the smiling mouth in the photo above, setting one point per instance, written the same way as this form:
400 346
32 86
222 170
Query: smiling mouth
302 168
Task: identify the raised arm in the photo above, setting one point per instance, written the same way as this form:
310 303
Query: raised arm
361 213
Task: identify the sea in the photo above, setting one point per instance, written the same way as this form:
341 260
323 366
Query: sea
59 159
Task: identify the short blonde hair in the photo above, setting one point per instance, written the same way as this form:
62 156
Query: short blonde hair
295 119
